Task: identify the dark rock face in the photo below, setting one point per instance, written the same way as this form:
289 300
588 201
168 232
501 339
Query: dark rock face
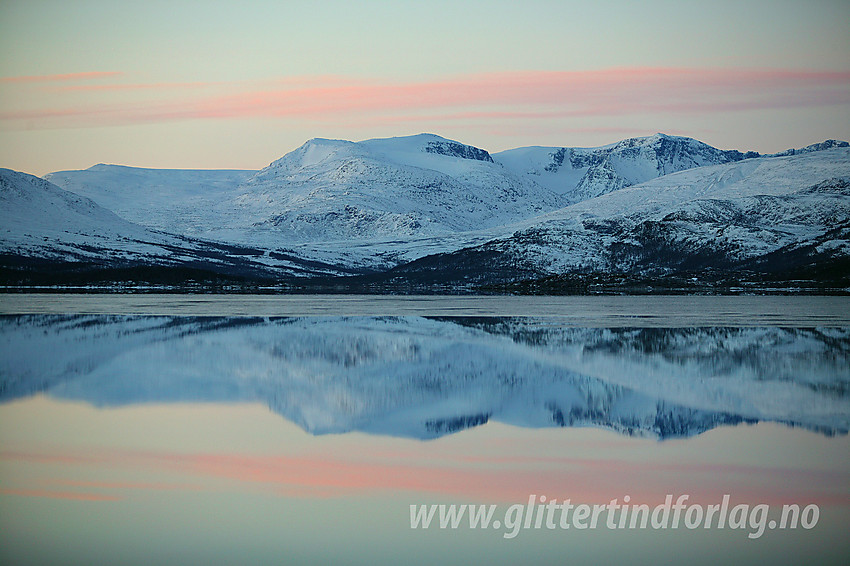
681 153
453 149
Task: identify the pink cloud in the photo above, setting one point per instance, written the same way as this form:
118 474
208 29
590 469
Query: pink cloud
492 97
131 87
122 485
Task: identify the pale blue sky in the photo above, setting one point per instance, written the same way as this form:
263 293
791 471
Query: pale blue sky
238 84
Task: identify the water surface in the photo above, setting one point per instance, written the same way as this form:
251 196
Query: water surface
161 429
613 311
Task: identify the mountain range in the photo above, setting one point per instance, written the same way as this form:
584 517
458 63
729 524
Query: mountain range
424 212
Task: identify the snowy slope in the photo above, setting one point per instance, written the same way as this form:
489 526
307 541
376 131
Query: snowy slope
660 202
41 222
374 203
173 200
379 203
39 219
417 186
582 173
424 378
772 176
709 216
325 190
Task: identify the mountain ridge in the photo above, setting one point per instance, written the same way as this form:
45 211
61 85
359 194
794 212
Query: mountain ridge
583 173
344 207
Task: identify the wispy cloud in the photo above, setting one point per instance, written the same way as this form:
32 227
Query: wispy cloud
133 86
483 98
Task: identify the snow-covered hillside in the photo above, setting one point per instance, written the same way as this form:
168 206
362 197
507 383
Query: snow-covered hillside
716 216
41 223
39 219
643 205
172 200
326 190
424 378
583 173
416 186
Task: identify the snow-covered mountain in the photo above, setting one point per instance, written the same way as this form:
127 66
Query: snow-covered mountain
424 378
41 220
427 205
769 213
42 225
172 200
582 173
421 185
326 190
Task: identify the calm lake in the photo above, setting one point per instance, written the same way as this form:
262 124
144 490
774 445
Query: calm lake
223 429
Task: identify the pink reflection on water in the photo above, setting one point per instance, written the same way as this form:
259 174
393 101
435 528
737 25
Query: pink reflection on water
459 477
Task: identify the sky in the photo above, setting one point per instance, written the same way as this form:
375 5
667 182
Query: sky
235 85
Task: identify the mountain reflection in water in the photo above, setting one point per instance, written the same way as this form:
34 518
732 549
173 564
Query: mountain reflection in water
427 377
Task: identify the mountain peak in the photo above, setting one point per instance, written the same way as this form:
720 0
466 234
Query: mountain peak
662 136
655 139
313 152
95 168
581 173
